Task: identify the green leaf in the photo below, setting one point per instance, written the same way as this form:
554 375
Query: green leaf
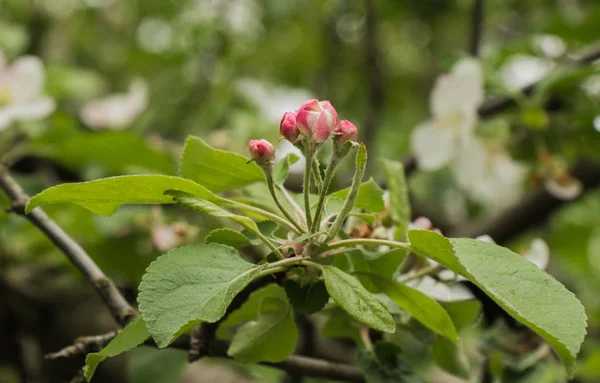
249 310
350 295
227 237
265 227
202 206
381 264
341 325
527 293
450 357
307 298
426 310
271 338
134 334
370 196
282 168
153 365
463 313
398 191
121 152
191 284
216 169
386 365
104 196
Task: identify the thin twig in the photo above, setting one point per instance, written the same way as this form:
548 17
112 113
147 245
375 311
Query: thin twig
476 27
121 311
84 345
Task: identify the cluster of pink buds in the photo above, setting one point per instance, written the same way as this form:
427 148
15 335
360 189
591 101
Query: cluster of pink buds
315 121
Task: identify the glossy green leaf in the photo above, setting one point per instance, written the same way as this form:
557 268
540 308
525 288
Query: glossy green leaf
518 286
134 334
350 295
282 168
271 338
104 196
307 298
370 196
398 191
423 308
227 237
191 284
216 169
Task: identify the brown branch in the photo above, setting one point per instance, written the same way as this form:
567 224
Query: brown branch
83 345
476 27
105 288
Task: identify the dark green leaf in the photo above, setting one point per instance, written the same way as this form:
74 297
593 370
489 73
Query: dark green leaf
152 365
382 264
307 298
386 365
450 357
191 284
282 168
227 237
218 170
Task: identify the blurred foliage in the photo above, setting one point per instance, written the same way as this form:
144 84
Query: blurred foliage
225 70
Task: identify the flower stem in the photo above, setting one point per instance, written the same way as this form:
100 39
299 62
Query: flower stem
361 162
368 241
292 202
326 184
268 170
282 265
421 273
307 170
270 244
317 174
264 213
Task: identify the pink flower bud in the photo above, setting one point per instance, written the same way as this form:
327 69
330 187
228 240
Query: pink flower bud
316 120
287 127
261 150
345 131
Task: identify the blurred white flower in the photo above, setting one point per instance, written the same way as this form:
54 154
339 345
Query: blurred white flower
445 292
551 45
116 111
538 253
488 174
22 91
453 104
486 238
272 101
522 70
564 187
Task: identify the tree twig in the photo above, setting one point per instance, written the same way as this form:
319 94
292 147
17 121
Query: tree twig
121 311
83 345
476 27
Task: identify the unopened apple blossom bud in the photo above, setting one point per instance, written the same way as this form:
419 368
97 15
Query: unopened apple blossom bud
261 150
316 120
345 131
287 127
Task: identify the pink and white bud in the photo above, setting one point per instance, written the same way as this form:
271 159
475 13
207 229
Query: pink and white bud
261 150
316 120
287 127
345 131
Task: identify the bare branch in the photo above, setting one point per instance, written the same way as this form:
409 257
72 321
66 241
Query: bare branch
476 27
84 345
105 288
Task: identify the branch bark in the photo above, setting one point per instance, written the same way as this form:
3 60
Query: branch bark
476 27
120 309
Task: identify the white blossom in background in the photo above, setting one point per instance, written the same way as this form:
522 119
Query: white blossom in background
522 70
441 291
488 174
453 105
22 91
538 253
116 111
564 186
551 45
